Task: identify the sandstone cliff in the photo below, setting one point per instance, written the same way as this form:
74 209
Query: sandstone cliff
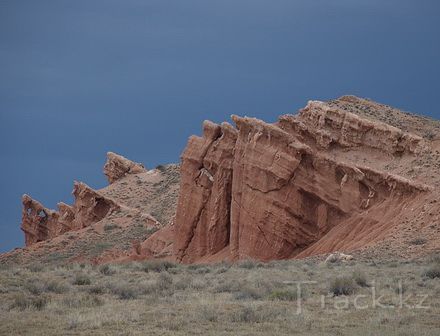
346 175
275 191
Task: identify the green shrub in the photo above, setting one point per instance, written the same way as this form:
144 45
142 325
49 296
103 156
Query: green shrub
97 289
82 280
432 272
107 269
110 226
57 287
126 292
284 295
156 266
342 286
418 241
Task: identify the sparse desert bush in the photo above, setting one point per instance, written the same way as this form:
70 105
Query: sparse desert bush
97 289
209 313
34 286
110 226
248 293
228 286
248 264
183 282
161 168
418 241
246 314
82 280
56 286
85 300
284 295
107 269
360 278
432 272
342 286
22 301
37 267
157 266
126 292
241 301
164 282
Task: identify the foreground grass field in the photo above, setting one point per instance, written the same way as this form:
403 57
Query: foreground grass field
249 298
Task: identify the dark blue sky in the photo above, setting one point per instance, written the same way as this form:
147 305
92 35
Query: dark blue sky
80 78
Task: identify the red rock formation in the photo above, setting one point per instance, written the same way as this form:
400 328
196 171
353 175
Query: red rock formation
269 191
204 202
329 126
40 223
118 166
299 187
90 206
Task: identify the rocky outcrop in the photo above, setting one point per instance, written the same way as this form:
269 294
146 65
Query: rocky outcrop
118 166
269 191
203 211
296 188
327 126
90 206
40 223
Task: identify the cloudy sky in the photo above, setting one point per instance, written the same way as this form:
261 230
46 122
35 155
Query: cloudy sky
80 78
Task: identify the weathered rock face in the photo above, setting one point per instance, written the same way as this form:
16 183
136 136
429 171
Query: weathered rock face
329 126
40 223
299 187
90 206
203 212
269 191
118 166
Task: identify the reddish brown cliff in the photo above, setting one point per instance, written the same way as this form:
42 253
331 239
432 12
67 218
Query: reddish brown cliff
345 175
40 223
274 191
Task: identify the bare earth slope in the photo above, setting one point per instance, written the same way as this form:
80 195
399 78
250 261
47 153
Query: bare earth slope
346 175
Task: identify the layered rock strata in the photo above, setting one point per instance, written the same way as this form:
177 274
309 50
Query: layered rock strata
270 191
